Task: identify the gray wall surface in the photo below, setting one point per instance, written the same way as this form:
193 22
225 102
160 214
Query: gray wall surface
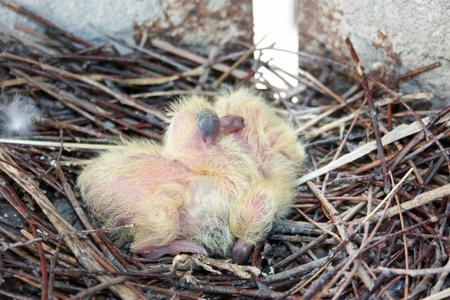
401 34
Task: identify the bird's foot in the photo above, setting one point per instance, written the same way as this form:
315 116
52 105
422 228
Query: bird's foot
175 248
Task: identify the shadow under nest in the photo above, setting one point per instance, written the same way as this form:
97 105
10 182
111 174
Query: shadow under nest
370 219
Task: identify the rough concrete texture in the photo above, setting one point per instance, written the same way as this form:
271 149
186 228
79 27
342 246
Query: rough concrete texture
402 35
202 24
192 23
112 16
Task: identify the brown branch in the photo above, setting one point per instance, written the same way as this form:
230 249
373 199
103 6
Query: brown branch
373 113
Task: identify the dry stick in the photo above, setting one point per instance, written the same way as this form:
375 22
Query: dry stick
66 260
92 290
9 259
424 128
312 57
356 266
86 255
37 285
99 239
426 144
327 127
302 250
417 138
420 200
27 42
41 121
213 53
419 148
442 278
153 54
323 76
20 81
43 38
325 114
70 99
172 93
64 98
52 268
369 210
70 105
339 223
229 290
414 272
426 280
444 294
341 146
398 133
42 262
372 164
405 242
10 195
295 271
337 270
147 80
341 267
19 252
321 85
232 68
44 23
168 292
100 102
312 244
126 100
58 144
139 66
431 173
239 74
318 225
416 72
424 254
388 196
44 287
373 112
61 236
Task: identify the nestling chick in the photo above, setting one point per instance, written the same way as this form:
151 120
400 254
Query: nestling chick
272 145
224 171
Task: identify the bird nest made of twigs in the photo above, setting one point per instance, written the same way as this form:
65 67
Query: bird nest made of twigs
370 219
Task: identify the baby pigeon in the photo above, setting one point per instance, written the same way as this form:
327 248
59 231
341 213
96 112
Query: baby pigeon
224 171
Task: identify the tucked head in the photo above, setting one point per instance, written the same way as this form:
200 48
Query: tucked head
213 128
194 125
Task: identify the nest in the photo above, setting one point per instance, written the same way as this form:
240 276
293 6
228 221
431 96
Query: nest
371 216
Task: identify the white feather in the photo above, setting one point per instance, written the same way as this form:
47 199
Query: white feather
15 117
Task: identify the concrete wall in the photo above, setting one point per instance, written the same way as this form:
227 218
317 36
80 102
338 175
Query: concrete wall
192 23
401 34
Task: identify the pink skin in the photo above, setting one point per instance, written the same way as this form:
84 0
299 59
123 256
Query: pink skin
175 248
226 125
241 252
229 124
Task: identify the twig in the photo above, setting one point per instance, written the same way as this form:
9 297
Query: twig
373 113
